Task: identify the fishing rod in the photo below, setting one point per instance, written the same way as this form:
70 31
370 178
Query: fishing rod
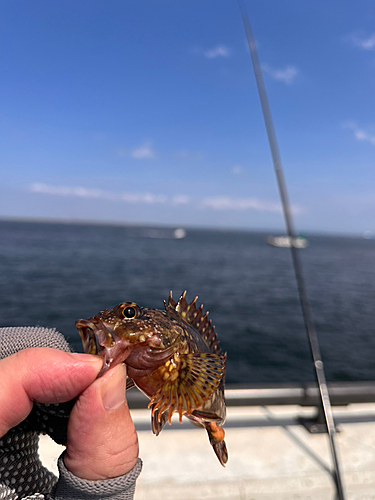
310 329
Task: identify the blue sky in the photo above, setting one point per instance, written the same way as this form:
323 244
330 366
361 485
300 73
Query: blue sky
147 112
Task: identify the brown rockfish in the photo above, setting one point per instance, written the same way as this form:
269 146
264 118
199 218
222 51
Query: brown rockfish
172 356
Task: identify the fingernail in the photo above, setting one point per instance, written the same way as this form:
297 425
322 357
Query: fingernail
87 358
113 390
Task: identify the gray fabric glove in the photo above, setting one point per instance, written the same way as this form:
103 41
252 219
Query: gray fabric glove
22 474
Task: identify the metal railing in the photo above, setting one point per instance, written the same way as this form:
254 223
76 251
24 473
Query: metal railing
341 394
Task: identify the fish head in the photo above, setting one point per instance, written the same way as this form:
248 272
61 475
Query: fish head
128 329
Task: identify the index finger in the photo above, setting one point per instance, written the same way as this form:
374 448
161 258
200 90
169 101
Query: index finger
43 375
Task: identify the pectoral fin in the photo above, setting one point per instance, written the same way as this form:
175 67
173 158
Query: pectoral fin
190 380
156 424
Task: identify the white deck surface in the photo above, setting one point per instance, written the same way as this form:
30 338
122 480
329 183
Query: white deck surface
270 459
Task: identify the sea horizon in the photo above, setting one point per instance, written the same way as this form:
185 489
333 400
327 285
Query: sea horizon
114 223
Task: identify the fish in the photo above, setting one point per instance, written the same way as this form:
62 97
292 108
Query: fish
172 355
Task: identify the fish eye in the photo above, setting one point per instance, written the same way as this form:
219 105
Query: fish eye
129 312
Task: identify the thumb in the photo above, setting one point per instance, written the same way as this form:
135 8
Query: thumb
102 441
43 375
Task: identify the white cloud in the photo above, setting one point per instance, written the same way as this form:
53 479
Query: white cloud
364 43
181 200
227 203
286 75
81 192
359 134
147 198
66 191
143 152
224 203
218 51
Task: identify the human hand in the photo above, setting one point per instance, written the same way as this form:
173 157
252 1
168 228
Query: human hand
102 442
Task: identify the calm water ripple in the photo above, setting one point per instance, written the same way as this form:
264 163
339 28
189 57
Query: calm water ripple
52 274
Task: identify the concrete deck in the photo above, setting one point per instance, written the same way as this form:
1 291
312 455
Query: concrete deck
271 457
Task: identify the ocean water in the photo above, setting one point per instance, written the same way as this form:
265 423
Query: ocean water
52 274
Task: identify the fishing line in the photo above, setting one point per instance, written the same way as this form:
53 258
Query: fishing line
310 329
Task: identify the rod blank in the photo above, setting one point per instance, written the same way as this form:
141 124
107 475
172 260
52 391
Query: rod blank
310 329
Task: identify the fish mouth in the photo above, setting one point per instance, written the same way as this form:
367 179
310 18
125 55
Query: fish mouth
100 339
93 335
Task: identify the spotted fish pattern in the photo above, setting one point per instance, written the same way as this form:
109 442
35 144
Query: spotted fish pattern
172 356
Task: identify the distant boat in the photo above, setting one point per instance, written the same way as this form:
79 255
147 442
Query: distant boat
179 233
158 232
287 241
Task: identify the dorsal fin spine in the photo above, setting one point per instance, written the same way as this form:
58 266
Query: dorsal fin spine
195 317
